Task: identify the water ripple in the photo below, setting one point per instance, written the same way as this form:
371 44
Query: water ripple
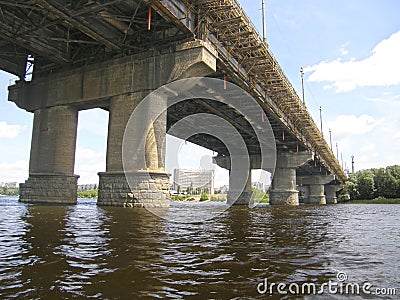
112 253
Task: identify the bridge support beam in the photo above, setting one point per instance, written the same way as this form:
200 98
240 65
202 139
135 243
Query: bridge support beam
237 195
330 193
51 168
283 189
316 185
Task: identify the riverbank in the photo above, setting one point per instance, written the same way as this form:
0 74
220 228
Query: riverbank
379 200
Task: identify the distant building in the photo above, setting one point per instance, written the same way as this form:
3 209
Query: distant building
202 179
11 185
224 189
87 187
259 185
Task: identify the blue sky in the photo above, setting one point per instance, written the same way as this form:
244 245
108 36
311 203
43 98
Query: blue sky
350 51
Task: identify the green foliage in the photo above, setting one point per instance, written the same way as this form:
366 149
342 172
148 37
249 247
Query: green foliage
217 199
365 184
374 183
204 196
388 182
9 191
178 198
379 200
260 196
88 194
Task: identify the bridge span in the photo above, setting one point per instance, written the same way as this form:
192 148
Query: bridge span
76 55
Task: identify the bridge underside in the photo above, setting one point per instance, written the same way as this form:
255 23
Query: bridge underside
111 54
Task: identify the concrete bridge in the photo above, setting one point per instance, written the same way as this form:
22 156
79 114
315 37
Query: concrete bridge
112 54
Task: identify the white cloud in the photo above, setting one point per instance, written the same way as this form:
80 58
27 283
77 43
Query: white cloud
14 172
349 125
8 131
88 164
94 121
343 49
381 68
368 148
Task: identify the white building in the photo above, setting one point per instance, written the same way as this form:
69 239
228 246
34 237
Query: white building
9 185
196 179
224 189
259 185
87 187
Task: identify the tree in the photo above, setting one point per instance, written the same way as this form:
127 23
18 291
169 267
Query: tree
203 196
365 184
350 187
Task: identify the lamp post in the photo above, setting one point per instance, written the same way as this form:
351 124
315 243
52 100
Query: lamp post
263 21
302 85
330 137
337 151
320 117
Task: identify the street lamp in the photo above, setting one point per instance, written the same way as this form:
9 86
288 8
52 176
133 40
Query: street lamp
302 85
320 117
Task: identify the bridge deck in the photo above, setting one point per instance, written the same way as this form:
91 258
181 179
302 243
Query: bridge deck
245 55
60 34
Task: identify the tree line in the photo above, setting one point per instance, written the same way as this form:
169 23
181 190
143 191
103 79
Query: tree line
373 183
9 191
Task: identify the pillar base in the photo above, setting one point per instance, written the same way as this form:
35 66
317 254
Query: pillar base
49 188
315 200
245 198
330 192
115 191
332 200
284 197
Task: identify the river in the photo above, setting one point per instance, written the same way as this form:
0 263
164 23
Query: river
86 251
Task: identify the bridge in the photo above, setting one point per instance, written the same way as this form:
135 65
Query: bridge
76 55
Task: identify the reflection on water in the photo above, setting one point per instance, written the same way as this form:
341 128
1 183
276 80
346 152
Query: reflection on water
83 251
14 249
85 247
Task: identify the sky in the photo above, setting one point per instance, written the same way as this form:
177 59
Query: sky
349 50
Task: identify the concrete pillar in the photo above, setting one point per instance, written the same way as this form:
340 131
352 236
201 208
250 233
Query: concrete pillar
148 183
143 191
118 85
240 188
51 167
316 185
305 191
283 188
237 194
330 193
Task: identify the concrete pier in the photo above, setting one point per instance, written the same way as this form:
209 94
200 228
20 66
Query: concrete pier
330 193
283 189
118 86
51 167
237 195
316 185
240 192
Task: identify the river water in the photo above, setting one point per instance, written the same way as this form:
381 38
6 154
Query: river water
85 251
